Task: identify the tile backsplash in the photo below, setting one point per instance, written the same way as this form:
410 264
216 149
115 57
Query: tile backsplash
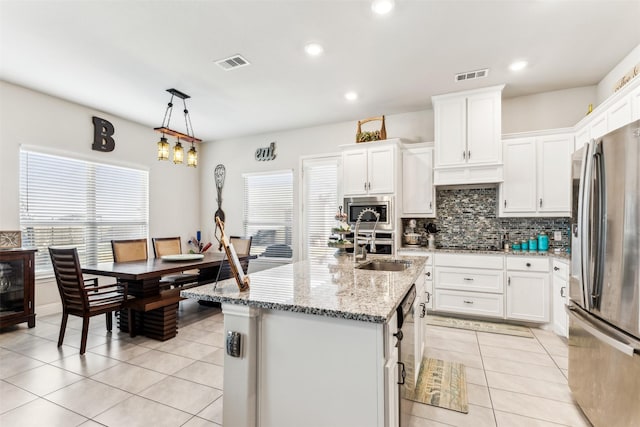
468 217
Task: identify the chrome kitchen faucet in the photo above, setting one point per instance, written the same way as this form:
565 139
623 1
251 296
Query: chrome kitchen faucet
362 256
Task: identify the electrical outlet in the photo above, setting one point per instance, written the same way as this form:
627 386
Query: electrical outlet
557 235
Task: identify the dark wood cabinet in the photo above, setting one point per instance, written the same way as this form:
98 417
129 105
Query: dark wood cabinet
17 287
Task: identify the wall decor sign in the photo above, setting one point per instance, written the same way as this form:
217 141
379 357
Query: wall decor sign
10 239
102 135
266 153
627 78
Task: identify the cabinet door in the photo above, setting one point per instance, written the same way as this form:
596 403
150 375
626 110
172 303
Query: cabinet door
354 172
554 174
450 117
484 129
619 114
599 126
635 103
381 169
519 186
560 317
417 181
528 296
392 392
582 137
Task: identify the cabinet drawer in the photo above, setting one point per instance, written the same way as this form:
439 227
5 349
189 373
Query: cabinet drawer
469 260
524 263
560 269
470 279
475 303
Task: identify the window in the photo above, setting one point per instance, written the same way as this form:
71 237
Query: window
65 201
268 213
321 201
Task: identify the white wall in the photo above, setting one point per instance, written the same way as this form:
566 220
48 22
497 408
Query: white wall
607 84
548 110
32 118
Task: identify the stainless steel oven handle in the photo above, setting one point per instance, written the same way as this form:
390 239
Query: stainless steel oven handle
601 336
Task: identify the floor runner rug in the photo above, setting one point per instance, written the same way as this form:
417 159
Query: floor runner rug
441 384
479 325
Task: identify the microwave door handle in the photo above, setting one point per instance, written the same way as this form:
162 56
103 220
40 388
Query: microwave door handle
583 223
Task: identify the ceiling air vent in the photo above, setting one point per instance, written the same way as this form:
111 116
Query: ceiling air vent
232 62
472 75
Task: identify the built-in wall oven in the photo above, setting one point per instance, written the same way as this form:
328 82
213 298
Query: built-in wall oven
383 205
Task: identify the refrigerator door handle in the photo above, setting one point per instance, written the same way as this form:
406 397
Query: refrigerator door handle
583 222
598 333
599 226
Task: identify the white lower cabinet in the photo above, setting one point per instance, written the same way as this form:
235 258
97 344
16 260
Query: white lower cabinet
469 284
475 303
560 280
527 292
391 375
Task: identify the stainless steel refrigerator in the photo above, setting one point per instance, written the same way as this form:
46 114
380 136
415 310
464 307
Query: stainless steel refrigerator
604 308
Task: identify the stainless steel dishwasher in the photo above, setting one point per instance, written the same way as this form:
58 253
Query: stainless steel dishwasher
406 348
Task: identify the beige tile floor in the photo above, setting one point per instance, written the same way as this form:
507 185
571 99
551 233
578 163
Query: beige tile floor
123 381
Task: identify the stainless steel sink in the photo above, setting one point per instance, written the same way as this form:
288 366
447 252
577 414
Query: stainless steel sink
385 265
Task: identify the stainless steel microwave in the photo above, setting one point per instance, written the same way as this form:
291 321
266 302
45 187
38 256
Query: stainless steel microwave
380 204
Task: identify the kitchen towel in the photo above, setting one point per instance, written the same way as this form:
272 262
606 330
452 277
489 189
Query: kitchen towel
480 326
441 384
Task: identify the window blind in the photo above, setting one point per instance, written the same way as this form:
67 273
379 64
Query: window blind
320 204
66 201
268 213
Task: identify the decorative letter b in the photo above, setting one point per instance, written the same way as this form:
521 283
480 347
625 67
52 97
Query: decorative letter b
102 132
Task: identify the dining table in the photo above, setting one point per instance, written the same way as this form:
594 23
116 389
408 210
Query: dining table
154 307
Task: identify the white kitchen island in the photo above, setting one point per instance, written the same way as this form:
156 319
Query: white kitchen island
317 345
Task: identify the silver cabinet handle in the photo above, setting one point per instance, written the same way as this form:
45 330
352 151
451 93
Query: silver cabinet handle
369 186
428 297
562 290
464 155
430 205
428 274
528 264
423 310
365 186
468 279
467 301
540 202
556 269
469 154
505 203
509 281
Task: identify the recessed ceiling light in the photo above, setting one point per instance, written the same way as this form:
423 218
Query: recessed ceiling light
351 96
518 65
382 7
313 49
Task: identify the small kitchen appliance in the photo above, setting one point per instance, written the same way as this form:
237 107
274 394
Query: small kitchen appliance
411 238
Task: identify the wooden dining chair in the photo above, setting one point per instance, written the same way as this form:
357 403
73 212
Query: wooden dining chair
83 297
172 246
129 250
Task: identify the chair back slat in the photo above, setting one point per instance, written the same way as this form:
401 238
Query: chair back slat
129 250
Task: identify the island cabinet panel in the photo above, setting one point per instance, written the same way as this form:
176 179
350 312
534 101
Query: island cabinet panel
304 359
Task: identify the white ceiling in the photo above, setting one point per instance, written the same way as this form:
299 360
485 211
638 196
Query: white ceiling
120 56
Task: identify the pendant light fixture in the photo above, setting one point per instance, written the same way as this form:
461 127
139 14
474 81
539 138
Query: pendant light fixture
178 150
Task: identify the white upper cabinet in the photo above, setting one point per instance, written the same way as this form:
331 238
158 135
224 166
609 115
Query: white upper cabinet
519 186
417 182
369 170
620 109
468 137
537 176
554 174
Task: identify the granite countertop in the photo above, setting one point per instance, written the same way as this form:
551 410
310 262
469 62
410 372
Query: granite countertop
327 286
422 249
